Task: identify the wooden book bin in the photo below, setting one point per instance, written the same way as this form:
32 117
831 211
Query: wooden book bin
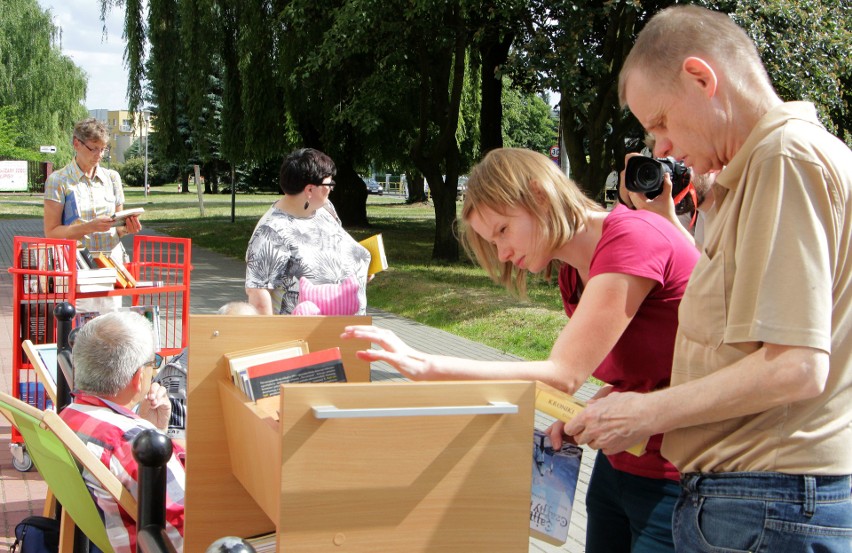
357 466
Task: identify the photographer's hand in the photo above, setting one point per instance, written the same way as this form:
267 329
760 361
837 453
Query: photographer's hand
663 205
623 193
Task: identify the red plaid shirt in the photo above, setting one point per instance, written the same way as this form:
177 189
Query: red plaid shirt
108 431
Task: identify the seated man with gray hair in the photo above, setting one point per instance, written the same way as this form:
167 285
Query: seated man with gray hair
114 400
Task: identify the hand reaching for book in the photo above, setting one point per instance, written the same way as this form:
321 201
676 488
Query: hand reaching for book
156 407
407 360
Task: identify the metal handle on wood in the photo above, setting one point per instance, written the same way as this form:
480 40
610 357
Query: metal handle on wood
493 408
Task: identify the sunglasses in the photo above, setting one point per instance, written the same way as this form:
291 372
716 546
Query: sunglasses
155 363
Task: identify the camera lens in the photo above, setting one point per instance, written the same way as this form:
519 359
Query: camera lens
648 176
644 175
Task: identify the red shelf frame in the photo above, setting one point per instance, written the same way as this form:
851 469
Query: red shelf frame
37 291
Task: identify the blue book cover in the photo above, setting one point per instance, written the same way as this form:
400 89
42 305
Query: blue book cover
554 482
70 213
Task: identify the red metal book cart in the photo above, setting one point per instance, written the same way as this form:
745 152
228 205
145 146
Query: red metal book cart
44 274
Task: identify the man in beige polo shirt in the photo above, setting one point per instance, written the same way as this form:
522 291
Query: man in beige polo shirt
759 415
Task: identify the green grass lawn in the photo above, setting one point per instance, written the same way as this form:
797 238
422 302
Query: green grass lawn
458 297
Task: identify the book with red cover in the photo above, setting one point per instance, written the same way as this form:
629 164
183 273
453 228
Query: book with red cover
264 380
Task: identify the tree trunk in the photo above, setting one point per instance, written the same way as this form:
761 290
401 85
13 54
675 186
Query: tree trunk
446 246
416 188
214 177
350 196
441 72
494 52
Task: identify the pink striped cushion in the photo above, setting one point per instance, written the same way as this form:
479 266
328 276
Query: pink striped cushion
331 299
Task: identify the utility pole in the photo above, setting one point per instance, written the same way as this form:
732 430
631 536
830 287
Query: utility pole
146 117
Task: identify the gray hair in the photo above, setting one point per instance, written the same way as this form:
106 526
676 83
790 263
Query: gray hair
91 130
681 31
237 308
108 351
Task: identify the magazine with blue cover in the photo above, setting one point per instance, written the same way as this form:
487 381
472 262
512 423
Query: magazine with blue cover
554 482
70 213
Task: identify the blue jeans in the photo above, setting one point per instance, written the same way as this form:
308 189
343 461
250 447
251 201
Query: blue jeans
628 513
763 512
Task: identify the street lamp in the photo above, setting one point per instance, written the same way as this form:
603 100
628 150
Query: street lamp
146 118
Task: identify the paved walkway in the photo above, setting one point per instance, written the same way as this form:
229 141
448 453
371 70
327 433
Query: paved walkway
216 280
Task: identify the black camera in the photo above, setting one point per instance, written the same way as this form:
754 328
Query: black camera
645 175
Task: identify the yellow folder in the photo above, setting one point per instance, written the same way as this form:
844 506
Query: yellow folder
378 260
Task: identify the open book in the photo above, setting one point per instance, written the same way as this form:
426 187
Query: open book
120 217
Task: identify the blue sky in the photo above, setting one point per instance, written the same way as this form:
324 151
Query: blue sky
101 57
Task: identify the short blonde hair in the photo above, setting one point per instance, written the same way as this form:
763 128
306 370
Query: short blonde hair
682 31
516 178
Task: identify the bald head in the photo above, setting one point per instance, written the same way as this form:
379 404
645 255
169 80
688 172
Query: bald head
679 32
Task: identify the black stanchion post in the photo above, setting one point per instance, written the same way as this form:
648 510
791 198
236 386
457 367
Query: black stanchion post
152 450
64 313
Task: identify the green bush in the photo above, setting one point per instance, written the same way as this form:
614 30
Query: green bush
133 172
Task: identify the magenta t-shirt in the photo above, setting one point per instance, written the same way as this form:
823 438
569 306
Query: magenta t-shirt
646 245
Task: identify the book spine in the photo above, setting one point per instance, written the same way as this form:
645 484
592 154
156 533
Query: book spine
557 404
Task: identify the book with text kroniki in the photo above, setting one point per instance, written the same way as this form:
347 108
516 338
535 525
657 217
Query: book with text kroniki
319 366
554 483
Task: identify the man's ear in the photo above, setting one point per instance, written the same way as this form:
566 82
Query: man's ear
136 380
700 73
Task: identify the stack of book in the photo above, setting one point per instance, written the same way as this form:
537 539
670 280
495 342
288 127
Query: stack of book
123 277
259 372
93 270
43 259
96 280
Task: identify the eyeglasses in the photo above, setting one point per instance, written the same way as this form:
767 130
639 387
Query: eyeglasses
93 150
329 184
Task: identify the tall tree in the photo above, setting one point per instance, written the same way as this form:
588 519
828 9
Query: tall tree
496 24
41 88
577 47
812 63
527 121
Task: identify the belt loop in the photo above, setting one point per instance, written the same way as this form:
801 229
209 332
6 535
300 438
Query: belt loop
810 496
